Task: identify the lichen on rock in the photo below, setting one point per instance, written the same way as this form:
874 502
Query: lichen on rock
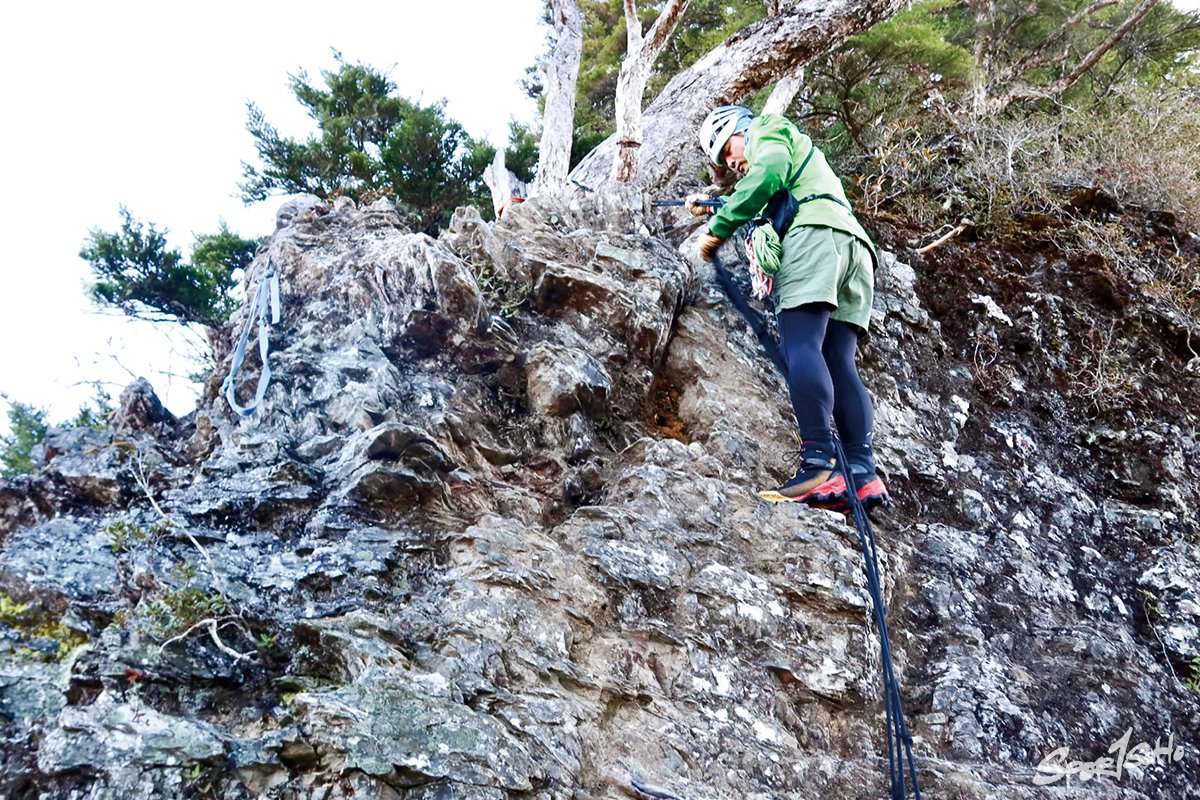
494 534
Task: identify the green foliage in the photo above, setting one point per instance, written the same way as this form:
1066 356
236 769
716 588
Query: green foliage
1193 679
125 536
1032 43
95 414
925 68
886 75
521 155
27 427
371 143
704 25
178 609
217 256
136 272
427 164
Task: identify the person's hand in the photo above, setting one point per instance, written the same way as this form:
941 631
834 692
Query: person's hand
709 245
690 201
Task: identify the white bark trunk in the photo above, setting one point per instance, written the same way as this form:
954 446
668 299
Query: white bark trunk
503 184
784 93
640 55
746 62
558 118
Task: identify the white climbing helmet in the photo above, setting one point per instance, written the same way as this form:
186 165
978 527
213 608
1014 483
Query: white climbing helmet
719 126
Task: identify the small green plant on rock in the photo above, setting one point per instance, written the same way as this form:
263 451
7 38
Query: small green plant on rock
178 610
124 537
1193 680
200 780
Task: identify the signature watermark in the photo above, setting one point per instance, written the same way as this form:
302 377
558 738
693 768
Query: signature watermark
1058 765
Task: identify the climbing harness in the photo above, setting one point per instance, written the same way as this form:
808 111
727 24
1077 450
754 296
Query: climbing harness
267 293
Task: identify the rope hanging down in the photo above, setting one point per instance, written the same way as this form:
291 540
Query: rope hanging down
268 293
899 741
901 764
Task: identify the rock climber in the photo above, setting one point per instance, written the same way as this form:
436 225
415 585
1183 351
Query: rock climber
822 295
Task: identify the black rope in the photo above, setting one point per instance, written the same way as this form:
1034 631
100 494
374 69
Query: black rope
754 319
899 740
902 767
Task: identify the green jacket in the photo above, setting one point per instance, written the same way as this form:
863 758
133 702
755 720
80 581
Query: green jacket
775 149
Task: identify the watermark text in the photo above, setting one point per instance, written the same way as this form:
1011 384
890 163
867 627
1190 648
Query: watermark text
1058 765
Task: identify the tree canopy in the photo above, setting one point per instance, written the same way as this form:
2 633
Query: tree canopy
28 424
371 143
136 272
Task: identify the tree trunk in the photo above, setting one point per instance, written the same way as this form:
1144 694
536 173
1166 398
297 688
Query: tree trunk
746 62
558 118
504 184
640 55
784 93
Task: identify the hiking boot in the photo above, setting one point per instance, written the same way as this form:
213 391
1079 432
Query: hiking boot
870 489
815 482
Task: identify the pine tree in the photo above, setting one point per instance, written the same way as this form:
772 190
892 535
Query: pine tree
136 272
27 427
369 144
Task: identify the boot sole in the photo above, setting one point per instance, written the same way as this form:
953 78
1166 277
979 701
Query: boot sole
828 495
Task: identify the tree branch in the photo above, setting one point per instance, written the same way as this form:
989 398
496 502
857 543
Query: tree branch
1037 57
751 59
661 30
1060 88
1090 60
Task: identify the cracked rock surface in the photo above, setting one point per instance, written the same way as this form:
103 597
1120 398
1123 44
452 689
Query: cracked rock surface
494 534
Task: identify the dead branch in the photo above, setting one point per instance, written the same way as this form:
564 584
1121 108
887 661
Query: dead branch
211 624
139 475
962 226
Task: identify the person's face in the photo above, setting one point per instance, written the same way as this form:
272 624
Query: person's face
734 154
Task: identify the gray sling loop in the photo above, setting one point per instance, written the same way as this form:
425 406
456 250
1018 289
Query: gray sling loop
268 291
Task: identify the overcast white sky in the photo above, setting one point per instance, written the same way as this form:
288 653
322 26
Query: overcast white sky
143 104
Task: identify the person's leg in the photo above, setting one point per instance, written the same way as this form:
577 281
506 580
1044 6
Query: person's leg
852 411
801 334
802 331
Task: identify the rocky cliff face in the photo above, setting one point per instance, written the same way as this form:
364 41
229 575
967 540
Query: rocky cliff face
494 534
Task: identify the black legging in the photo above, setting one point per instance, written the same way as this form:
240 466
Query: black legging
823 378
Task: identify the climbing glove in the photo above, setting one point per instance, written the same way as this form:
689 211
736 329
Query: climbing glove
709 244
690 201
